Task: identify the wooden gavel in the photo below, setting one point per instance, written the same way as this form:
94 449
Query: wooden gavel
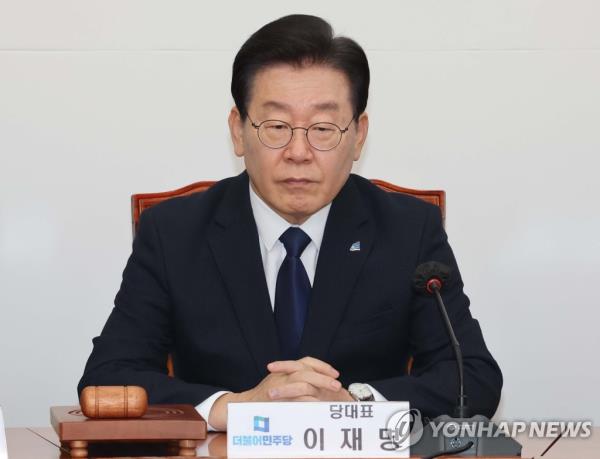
113 401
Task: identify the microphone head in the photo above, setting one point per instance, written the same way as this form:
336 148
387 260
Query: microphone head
430 274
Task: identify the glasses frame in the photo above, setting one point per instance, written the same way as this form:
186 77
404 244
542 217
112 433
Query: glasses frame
306 129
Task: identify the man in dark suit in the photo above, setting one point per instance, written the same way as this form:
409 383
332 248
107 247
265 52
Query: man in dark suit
293 280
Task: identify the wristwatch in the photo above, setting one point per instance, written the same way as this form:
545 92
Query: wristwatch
361 392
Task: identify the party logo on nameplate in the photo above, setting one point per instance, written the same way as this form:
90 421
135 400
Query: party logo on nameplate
318 429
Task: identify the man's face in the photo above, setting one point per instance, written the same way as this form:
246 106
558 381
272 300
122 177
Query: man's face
298 180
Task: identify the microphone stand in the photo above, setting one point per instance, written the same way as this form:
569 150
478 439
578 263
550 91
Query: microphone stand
461 410
467 440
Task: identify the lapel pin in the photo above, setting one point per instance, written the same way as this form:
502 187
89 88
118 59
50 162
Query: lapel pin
355 247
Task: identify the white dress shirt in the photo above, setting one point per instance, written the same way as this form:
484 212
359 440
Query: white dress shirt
271 226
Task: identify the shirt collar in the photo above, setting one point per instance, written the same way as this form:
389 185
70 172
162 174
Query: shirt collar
271 225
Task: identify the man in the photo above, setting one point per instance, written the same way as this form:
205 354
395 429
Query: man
294 279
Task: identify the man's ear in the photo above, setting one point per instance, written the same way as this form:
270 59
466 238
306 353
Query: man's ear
236 130
362 128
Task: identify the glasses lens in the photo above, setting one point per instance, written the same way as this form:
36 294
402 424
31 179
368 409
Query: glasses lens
324 136
275 134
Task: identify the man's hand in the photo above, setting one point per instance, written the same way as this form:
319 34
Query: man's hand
307 379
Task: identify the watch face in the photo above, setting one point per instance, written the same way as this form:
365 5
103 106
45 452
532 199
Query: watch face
361 392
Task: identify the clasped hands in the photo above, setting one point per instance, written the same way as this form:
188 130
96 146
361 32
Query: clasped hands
304 380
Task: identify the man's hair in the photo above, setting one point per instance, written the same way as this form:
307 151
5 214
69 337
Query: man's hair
300 40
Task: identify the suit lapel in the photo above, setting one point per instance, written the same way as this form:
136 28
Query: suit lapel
233 239
337 269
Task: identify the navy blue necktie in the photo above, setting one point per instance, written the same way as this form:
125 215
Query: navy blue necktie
292 293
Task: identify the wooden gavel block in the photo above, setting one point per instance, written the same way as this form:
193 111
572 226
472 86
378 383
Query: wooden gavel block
121 414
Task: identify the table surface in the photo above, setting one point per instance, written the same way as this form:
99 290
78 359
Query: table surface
36 443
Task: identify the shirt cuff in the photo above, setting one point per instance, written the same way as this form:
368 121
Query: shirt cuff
204 408
377 395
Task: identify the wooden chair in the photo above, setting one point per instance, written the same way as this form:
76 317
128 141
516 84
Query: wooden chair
142 201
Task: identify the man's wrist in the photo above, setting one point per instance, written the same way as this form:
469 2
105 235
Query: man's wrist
346 395
218 413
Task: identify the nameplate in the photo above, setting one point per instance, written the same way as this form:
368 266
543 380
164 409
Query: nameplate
318 429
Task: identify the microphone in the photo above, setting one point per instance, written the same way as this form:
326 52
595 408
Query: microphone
430 278
469 440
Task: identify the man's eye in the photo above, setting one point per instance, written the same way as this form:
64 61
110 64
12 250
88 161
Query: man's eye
322 129
276 127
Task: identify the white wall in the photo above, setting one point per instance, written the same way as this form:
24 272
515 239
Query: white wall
497 102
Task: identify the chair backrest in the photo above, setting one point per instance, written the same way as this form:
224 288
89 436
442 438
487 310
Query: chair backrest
142 201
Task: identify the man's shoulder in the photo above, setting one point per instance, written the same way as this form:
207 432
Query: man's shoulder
196 208
385 204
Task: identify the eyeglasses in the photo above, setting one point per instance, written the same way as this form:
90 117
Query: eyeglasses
278 134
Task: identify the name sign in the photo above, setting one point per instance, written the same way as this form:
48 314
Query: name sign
318 429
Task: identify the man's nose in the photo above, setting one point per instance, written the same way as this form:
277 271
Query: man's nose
299 149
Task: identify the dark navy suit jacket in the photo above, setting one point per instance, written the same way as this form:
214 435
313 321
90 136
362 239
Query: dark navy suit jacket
195 287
